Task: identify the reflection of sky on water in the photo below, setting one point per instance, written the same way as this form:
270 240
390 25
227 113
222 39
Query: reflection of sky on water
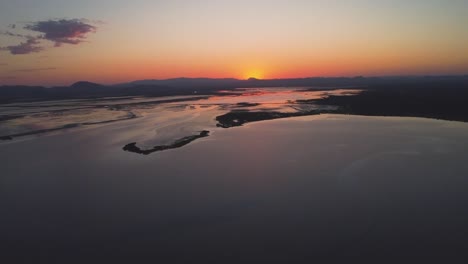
161 121
48 120
273 95
328 186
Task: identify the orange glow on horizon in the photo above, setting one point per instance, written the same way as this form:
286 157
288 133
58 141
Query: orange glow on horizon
254 73
207 39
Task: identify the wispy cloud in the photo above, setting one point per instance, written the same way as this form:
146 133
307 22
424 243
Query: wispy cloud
11 34
30 46
60 31
35 69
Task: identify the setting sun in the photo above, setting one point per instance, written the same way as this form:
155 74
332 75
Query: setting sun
254 73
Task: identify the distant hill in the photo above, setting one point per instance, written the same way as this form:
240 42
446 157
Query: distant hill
225 83
86 85
185 82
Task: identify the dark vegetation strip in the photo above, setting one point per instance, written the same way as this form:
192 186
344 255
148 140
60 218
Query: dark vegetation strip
444 102
132 147
238 118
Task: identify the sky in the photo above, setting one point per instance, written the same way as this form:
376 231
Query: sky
59 42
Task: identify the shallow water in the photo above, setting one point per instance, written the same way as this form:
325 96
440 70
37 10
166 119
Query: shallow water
296 190
161 120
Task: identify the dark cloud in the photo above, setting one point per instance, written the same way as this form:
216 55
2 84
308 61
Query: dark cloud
30 46
3 64
60 31
35 69
63 31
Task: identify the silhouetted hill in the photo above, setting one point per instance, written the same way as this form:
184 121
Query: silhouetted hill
86 85
227 83
184 82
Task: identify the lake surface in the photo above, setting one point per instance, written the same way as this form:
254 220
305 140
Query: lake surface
324 188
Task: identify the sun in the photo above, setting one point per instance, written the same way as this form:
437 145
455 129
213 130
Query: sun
254 73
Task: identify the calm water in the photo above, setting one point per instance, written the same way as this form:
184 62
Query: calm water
160 119
299 190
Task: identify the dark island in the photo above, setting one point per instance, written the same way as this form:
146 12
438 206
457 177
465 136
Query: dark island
132 147
238 118
446 100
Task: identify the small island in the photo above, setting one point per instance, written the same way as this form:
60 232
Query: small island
132 147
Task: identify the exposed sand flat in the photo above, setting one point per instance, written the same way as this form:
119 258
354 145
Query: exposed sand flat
161 120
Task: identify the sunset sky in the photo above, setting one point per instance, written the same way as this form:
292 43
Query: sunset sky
58 42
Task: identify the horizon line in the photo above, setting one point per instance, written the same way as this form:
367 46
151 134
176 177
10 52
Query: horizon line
254 78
